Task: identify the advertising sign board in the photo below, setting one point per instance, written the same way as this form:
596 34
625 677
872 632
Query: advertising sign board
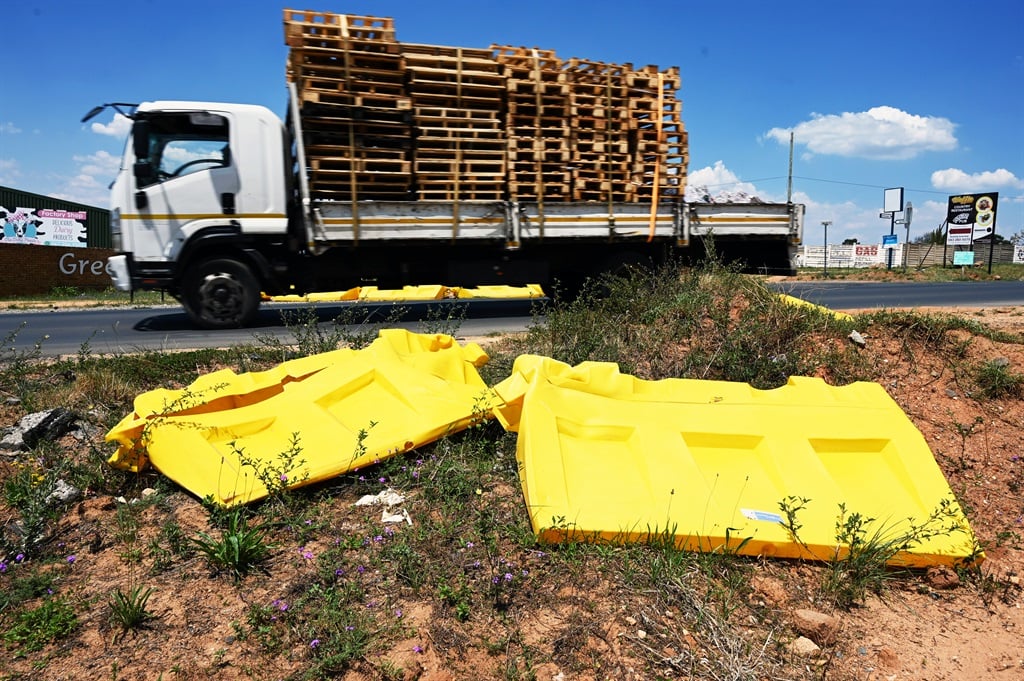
970 217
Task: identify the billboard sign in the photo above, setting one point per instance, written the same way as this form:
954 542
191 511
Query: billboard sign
43 227
970 217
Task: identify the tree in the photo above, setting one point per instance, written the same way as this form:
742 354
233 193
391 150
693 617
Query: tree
935 236
850 242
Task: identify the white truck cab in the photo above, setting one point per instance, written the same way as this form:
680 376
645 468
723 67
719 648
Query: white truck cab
194 173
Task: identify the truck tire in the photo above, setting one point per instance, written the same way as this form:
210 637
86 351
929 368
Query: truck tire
220 293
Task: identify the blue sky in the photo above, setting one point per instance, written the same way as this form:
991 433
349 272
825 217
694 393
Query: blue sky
927 95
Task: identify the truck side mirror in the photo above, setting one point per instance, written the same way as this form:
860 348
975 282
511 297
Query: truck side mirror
140 139
144 175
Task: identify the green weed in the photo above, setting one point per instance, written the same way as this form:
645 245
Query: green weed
129 610
995 379
281 475
239 549
868 551
30 630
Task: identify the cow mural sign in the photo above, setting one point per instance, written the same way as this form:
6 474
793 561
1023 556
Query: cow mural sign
43 227
970 217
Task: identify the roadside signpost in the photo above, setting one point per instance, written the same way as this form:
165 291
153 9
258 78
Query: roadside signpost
971 217
892 203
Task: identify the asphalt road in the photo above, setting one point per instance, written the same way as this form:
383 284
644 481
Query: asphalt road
127 330
853 295
124 330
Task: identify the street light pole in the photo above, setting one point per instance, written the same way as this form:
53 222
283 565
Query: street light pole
825 224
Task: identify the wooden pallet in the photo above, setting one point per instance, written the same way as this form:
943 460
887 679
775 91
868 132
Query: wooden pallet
494 169
306 24
360 164
521 58
428 132
459 117
425 50
446 190
528 157
363 99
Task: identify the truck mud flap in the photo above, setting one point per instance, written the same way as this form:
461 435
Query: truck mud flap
720 466
229 437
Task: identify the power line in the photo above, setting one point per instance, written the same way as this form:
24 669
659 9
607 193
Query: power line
820 179
871 186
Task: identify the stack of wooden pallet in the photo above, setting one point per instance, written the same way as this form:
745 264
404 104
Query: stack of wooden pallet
537 123
662 153
457 98
356 115
385 120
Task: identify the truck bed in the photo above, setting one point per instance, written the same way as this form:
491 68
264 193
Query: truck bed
513 223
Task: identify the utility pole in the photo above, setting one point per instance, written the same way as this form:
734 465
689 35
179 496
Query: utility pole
825 224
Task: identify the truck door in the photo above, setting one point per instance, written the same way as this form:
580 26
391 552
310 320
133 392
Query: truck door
189 181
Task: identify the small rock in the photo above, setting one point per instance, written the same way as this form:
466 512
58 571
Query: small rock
148 492
641 634
770 589
951 393
1000 362
63 493
804 647
817 626
34 428
857 339
942 577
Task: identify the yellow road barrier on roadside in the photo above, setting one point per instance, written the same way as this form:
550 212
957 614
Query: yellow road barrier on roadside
713 465
603 456
800 302
226 436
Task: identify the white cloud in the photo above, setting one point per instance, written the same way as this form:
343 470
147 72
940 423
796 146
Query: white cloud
89 185
9 171
956 180
880 133
119 127
719 183
8 128
101 163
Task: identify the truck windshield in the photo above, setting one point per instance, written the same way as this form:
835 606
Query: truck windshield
184 143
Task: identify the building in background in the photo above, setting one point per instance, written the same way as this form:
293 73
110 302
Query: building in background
37 220
49 244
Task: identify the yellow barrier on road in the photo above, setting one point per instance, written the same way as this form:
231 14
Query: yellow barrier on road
413 293
226 435
712 464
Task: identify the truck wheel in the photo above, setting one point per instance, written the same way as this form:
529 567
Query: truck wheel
220 294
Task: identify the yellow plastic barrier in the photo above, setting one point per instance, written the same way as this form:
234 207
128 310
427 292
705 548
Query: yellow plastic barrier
800 302
223 435
706 464
423 292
